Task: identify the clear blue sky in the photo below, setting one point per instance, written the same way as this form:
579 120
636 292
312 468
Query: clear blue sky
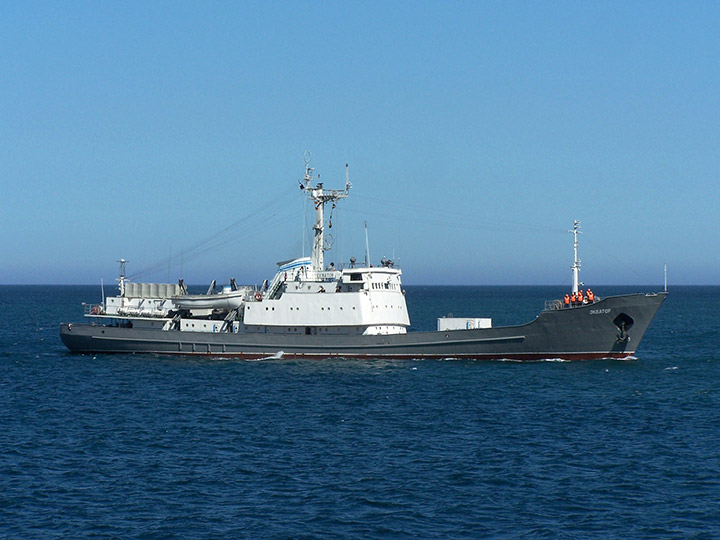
475 133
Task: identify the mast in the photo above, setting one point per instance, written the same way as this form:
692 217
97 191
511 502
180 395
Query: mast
576 263
121 279
320 197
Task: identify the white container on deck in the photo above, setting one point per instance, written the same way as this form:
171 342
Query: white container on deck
462 323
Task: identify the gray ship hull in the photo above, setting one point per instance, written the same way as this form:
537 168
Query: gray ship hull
609 328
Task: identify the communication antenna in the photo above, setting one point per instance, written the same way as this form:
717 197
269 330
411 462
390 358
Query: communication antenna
307 158
305 182
367 246
304 227
665 277
121 279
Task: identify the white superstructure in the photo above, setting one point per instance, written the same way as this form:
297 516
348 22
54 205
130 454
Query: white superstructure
348 301
304 297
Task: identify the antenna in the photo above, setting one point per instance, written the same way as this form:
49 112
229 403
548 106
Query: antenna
121 279
665 277
304 227
367 246
399 246
307 158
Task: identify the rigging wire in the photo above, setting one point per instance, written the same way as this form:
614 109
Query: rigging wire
452 220
610 255
435 216
272 214
266 214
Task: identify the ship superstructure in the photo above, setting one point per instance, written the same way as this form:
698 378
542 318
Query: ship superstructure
304 296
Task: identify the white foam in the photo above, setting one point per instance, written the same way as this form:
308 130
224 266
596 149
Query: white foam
277 356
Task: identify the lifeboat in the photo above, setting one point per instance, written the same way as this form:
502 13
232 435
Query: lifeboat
225 300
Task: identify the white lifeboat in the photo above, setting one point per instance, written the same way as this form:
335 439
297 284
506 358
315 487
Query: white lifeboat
224 300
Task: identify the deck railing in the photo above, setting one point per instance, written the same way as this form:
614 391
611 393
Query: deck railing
552 305
93 309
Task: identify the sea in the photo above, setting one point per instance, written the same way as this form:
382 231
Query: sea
134 446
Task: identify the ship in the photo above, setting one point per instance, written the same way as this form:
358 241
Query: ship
354 310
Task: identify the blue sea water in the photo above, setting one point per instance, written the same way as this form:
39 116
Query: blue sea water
146 447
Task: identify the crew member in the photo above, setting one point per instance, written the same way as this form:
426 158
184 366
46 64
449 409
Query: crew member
590 296
566 300
580 297
573 299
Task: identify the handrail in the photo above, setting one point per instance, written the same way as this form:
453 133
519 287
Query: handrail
552 305
93 309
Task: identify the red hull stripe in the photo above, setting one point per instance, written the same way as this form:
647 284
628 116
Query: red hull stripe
517 357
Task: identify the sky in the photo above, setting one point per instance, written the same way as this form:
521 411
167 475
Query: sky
172 134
